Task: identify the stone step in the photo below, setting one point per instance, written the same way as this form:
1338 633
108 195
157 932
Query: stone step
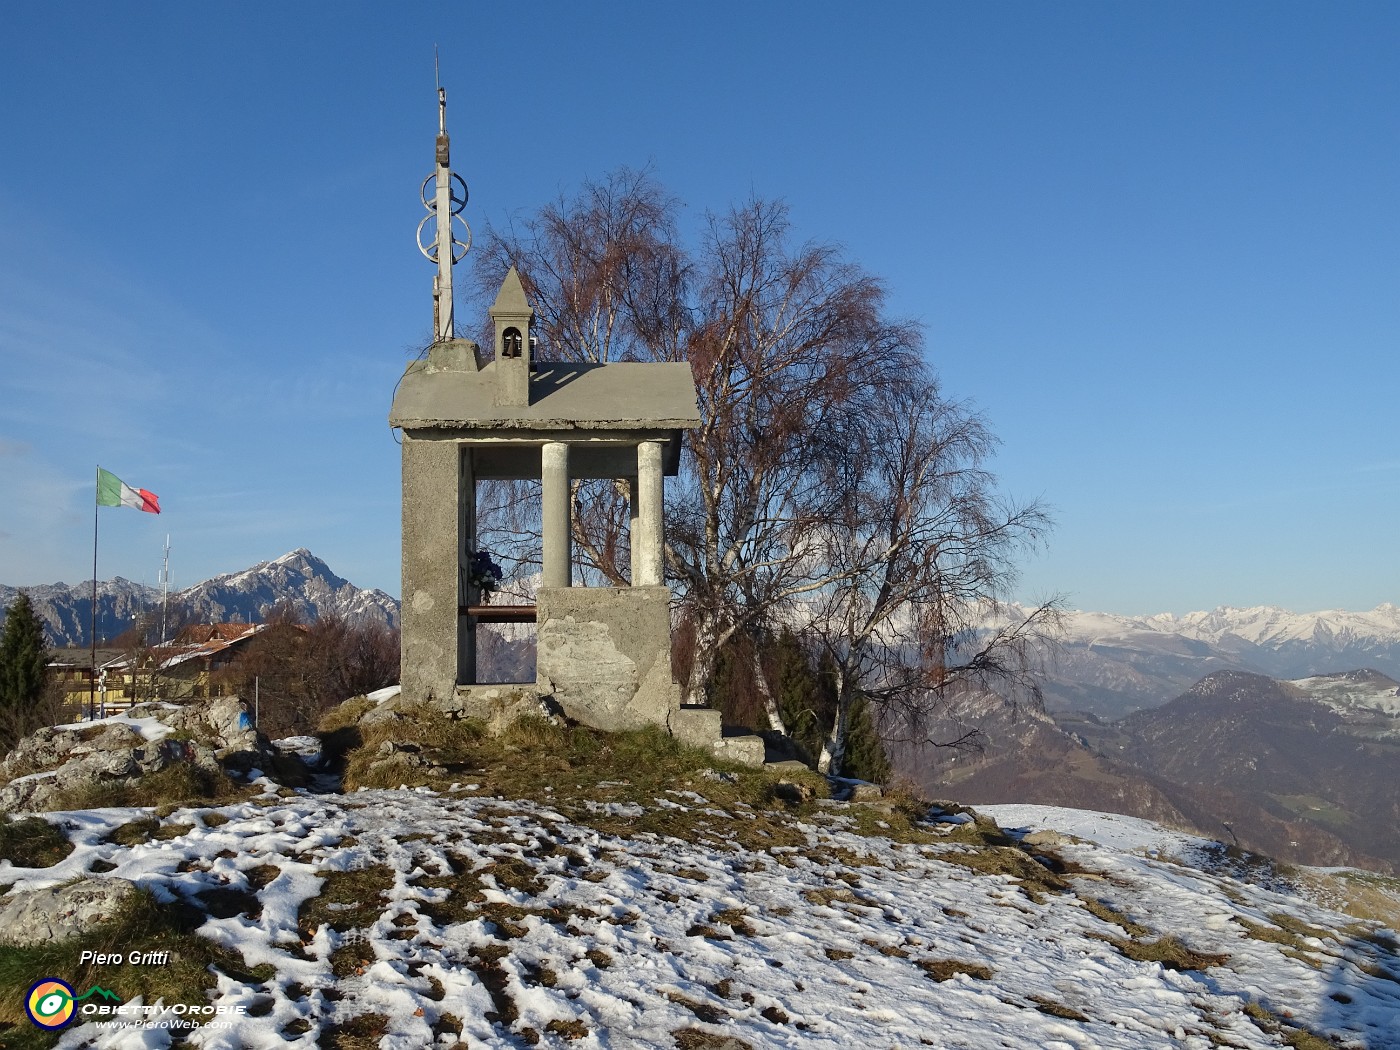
746 749
704 727
697 726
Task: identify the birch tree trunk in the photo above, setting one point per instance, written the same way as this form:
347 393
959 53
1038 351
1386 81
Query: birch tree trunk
770 702
834 750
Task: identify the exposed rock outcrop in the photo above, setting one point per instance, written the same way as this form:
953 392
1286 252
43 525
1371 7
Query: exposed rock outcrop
60 912
54 761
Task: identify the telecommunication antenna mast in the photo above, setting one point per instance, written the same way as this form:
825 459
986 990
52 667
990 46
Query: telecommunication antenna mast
444 206
165 591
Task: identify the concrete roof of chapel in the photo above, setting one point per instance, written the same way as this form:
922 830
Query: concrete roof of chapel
619 395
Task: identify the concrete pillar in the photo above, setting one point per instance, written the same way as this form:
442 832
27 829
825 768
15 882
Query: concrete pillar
554 478
430 568
648 569
634 529
466 529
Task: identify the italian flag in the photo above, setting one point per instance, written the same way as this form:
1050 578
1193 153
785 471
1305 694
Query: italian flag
112 491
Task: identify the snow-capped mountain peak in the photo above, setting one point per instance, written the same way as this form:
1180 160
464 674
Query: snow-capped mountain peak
297 577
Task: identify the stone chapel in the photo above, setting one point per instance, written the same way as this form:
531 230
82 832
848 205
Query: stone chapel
604 653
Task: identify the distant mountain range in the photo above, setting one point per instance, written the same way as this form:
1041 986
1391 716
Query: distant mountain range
1114 665
1259 721
1307 771
298 577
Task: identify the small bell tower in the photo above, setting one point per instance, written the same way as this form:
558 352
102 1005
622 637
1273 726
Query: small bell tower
511 315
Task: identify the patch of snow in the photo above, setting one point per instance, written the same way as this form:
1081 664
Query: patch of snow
150 727
1113 830
1346 695
47 774
308 747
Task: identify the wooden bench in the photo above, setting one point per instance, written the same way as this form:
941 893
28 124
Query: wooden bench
498 613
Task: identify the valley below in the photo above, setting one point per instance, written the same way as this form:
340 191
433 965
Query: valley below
1306 771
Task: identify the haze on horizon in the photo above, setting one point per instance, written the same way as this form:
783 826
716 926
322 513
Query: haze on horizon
1158 246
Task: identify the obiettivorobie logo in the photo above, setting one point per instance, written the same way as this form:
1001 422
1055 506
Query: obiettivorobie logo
52 1003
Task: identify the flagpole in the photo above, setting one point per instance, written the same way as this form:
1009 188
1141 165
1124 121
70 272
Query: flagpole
92 620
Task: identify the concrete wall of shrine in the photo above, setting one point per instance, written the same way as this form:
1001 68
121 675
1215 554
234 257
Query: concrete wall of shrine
431 524
605 654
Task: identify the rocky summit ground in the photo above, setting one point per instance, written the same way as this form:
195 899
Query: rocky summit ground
562 888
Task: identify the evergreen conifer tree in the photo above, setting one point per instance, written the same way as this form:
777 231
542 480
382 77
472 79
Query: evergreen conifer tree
807 699
807 707
865 757
806 695
24 670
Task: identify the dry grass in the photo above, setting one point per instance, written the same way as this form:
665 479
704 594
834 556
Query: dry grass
893 951
699 1039
176 785
1054 1009
568 767
707 1012
166 832
567 1030
1170 952
737 919
359 1033
134 832
579 771
513 873
465 893
990 858
946 969
32 842
1109 914
346 715
1272 1024
826 896
1297 927
348 900
485 962
1364 895
1289 933
466 898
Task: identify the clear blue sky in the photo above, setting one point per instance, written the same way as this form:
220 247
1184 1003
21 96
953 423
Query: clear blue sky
1158 244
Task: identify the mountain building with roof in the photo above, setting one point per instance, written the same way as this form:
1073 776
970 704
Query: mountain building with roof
192 666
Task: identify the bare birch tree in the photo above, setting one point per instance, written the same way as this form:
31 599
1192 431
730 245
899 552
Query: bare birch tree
787 342
808 481
917 559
